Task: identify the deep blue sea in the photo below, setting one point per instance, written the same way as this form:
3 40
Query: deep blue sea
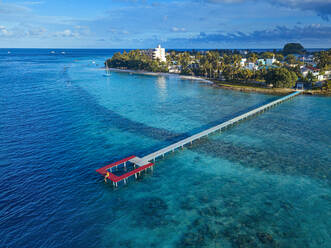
263 183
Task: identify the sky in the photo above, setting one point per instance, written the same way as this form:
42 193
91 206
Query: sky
182 24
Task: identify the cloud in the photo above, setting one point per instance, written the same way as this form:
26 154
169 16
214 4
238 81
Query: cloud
4 31
77 31
321 7
36 31
176 29
13 9
83 30
117 31
22 31
280 34
31 2
67 33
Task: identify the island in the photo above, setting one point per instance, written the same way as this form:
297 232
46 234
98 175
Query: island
279 71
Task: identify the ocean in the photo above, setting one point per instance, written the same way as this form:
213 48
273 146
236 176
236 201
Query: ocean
262 183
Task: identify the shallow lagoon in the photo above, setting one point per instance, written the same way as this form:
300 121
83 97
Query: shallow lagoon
262 183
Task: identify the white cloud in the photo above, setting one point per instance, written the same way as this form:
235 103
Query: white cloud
77 31
83 30
31 2
177 29
67 33
36 31
116 31
5 32
21 31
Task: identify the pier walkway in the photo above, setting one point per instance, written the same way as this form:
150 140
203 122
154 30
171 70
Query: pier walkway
145 162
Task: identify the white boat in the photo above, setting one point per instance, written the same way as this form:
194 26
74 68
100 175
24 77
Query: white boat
52 52
63 52
107 72
9 52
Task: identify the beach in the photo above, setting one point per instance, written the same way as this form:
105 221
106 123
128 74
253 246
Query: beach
225 85
162 74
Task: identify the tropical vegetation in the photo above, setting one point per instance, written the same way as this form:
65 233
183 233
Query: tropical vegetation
226 65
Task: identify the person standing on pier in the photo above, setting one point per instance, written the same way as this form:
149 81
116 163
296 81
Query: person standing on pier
106 176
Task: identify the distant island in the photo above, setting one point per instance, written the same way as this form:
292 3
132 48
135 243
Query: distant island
293 48
290 67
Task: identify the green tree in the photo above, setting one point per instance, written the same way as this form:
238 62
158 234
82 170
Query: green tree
281 78
252 57
310 77
267 55
228 72
328 85
291 59
279 57
323 60
245 74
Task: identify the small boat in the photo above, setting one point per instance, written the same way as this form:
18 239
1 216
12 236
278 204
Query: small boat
63 52
52 52
107 74
9 52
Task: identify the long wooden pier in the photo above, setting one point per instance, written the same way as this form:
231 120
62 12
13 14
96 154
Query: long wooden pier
220 127
146 160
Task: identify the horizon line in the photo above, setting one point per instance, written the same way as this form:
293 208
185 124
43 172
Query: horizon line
163 47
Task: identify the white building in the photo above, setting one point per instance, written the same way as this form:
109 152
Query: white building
308 59
314 71
243 62
261 62
156 53
325 76
270 61
251 66
159 53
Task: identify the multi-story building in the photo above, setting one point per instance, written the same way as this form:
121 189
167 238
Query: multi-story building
156 53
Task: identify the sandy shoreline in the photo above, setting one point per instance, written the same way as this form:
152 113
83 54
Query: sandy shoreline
273 91
162 74
218 84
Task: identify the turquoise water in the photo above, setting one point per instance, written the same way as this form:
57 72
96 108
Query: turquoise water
262 183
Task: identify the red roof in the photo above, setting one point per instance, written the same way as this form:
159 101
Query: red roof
312 68
104 169
115 178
